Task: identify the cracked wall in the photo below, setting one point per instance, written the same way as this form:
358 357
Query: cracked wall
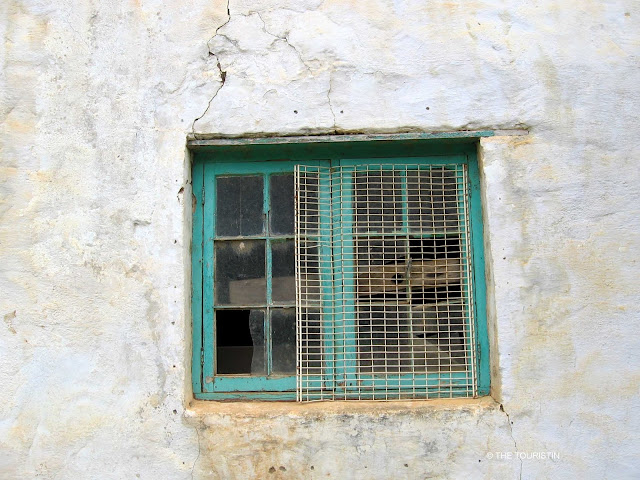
97 101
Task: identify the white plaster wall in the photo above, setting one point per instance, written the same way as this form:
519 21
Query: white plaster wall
97 101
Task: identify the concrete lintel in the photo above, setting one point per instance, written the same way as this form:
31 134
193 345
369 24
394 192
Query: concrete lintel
200 142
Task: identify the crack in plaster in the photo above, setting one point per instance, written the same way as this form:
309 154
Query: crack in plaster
285 39
515 444
330 104
223 77
223 74
198 457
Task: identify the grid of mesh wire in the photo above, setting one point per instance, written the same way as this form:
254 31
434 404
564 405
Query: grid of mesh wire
383 285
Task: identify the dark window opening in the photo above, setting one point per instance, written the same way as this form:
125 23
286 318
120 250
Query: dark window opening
240 342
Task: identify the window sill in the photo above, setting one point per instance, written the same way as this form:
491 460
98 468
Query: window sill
204 408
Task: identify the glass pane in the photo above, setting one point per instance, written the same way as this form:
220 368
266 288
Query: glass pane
384 339
309 273
432 339
378 201
439 336
312 350
240 272
283 340
308 203
283 275
239 206
240 342
281 215
433 200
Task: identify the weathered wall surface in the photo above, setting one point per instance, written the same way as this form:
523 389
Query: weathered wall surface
97 101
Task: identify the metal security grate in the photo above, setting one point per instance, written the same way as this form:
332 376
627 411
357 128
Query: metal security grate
383 283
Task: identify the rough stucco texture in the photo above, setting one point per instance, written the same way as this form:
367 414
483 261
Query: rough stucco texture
97 101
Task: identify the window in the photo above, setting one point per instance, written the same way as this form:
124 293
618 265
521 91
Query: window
349 271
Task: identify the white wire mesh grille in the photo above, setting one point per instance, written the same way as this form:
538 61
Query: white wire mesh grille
383 285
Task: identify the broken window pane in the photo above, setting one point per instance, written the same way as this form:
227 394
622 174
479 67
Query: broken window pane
283 340
283 285
434 247
281 214
240 272
240 347
239 206
383 268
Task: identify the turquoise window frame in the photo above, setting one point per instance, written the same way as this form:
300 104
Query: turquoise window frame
265 159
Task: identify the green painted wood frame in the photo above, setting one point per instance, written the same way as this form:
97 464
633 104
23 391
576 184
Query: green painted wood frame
209 381
344 225
268 158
